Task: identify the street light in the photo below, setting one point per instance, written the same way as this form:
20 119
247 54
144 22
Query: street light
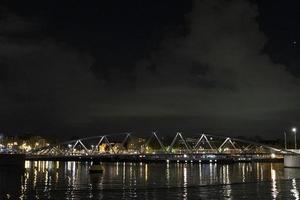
285 140
294 130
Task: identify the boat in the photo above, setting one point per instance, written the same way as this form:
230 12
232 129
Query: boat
96 168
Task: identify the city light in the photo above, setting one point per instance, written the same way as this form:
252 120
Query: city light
25 147
273 155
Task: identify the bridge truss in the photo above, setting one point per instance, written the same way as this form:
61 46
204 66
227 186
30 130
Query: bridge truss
127 143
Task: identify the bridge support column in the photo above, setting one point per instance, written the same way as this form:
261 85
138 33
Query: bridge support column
292 160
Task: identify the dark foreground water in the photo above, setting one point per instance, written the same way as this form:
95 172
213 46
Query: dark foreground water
71 180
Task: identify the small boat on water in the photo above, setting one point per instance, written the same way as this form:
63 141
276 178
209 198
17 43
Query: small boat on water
96 168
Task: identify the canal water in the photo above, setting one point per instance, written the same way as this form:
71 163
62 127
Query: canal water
71 180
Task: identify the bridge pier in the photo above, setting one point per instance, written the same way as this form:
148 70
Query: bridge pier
292 160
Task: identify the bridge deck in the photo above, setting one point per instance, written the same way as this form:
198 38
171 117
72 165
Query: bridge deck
197 158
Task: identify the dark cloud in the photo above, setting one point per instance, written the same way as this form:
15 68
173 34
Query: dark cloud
219 64
208 73
218 70
42 79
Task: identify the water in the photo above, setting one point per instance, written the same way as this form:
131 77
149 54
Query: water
71 180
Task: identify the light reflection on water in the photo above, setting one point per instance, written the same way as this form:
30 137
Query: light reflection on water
71 180
294 189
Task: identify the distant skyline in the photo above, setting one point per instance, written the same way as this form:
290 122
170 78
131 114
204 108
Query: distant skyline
88 68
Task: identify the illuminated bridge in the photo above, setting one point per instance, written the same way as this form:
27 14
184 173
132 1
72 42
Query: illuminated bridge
128 147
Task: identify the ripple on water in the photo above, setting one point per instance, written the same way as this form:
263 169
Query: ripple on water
71 180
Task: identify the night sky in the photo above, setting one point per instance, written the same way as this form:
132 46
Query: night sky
84 68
